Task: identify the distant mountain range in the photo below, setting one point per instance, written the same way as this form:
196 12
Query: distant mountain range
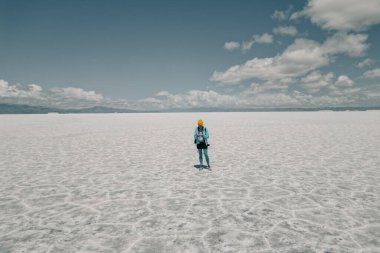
27 109
278 109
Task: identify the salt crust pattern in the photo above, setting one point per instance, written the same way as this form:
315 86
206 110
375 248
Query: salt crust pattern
281 182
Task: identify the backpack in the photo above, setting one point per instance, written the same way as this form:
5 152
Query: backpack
200 135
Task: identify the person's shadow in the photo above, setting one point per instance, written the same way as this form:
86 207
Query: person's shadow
200 167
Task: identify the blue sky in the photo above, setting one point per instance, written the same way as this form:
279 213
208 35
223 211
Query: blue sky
180 54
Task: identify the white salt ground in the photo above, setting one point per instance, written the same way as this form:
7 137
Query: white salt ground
281 182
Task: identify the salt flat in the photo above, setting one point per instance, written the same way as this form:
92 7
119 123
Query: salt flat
281 182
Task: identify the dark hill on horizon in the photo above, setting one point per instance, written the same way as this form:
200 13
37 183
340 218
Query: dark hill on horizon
28 109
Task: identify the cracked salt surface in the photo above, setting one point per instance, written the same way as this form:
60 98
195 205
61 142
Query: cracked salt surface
281 182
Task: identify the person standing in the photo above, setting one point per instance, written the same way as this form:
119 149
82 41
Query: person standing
201 136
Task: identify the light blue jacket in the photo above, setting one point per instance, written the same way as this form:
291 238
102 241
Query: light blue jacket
205 135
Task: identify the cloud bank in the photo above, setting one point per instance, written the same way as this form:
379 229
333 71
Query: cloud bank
35 95
342 15
33 91
297 76
77 93
298 59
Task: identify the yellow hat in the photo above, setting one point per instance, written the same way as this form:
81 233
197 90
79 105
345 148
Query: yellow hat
200 122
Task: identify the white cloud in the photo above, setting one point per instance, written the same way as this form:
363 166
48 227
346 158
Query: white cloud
208 98
272 100
274 93
372 93
31 91
285 30
342 43
231 45
279 15
374 73
33 94
364 63
256 88
264 38
192 98
269 95
345 15
151 102
282 15
163 93
334 92
334 96
34 88
349 95
297 15
298 59
315 81
317 77
77 93
344 81
3 87
34 91
246 45
331 92
116 103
